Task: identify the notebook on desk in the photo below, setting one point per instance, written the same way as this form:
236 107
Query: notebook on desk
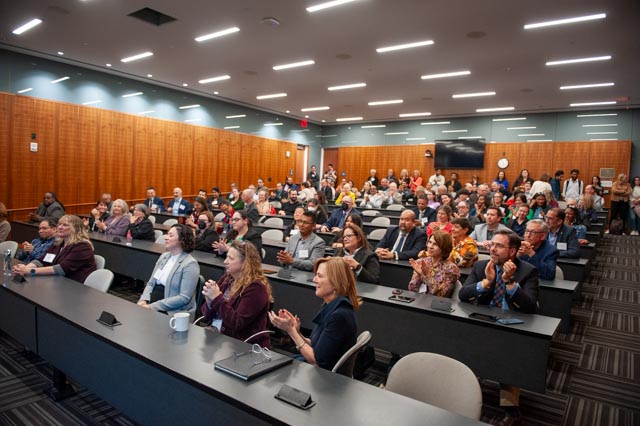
247 365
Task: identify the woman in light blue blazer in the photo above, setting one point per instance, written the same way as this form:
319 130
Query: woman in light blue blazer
173 282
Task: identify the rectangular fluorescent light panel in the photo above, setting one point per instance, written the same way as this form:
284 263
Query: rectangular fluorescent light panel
60 79
212 79
393 101
217 34
565 21
371 126
322 108
414 114
396 133
274 95
446 74
136 57
193 120
586 86
473 95
578 60
581 104
455 131
531 134
293 65
231 127
596 115
521 128
404 46
272 124
26 27
415 139
509 119
349 119
146 112
495 109
128 95
600 125
433 123
602 133
347 86
327 5
189 106
97 101
28 89
236 116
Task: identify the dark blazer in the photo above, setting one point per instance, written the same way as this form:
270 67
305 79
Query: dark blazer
159 203
183 203
567 234
370 272
327 191
430 214
334 332
336 217
252 212
76 261
251 236
53 210
204 240
544 260
142 230
415 242
525 299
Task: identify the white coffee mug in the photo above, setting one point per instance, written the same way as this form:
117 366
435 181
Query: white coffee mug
180 321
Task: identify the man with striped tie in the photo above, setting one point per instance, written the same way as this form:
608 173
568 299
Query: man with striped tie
402 242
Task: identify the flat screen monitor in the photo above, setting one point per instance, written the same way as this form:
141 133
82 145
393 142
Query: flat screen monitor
459 154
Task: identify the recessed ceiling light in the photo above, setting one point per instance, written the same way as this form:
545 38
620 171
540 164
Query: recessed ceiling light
274 95
470 137
414 114
217 34
26 27
433 123
287 111
149 75
327 5
189 106
108 65
392 101
455 131
60 53
604 139
565 21
396 133
446 74
193 120
272 124
322 108
415 139
495 109
185 85
136 57
521 128
347 86
404 46
293 65
349 119
586 86
236 116
602 133
531 134
216 93
97 101
509 119
538 140
28 89
324 121
596 115
578 60
581 104
473 95
212 79
60 79
600 125
371 126
128 95
231 127
146 112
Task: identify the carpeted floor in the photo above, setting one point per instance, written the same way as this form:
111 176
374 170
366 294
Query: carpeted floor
593 376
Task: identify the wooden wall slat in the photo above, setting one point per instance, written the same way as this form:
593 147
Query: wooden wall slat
115 154
148 156
87 186
68 153
205 155
6 103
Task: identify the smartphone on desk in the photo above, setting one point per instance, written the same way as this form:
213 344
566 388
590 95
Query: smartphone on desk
483 317
400 298
510 321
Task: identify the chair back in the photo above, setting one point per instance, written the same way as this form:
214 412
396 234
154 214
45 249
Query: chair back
372 213
346 363
273 221
100 261
276 204
397 207
484 256
160 240
158 234
456 290
273 234
170 222
152 218
100 279
437 380
376 234
559 273
9 245
218 217
381 221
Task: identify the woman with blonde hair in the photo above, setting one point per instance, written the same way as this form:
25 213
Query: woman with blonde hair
118 221
238 303
335 328
70 255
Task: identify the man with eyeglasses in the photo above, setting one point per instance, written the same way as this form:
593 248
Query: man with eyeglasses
305 247
536 250
339 216
483 233
509 284
562 236
39 246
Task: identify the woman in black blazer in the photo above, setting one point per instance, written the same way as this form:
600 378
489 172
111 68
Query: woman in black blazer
206 234
357 254
140 226
241 230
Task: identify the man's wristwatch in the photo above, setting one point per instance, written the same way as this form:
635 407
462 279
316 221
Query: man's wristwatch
32 272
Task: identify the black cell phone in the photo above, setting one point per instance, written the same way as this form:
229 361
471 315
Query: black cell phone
483 317
404 299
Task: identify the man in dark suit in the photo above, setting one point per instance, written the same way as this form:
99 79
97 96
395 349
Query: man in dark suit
153 202
424 214
402 242
536 250
250 205
179 206
561 236
507 283
338 216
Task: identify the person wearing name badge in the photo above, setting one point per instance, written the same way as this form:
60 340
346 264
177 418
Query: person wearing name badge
237 304
293 228
117 223
154 203
174 279
178 206
357 254
435 273
71 254
562 236
303 248
241 230
424 214
339 216
38 246
335 327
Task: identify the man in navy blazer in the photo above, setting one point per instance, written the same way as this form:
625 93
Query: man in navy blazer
178 206
536 250
561 236
424 214
153 202
338 216
402 242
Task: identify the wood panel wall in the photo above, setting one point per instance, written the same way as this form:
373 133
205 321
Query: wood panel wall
84 151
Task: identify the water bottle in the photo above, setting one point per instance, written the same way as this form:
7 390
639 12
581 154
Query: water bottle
129 239
7 262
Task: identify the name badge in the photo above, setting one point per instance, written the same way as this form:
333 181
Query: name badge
303 254
158 274
154 206
295 232
181 207
561 246
49 257
217 324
